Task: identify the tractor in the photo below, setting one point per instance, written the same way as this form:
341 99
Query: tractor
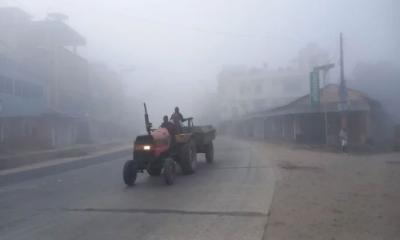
159 153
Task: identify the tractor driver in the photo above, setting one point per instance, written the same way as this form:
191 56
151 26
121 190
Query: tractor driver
168 125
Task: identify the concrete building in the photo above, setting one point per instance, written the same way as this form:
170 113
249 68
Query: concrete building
46 93
48 50
301 121
26 119
245 91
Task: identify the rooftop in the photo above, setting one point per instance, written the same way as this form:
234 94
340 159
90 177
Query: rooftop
330 101
56 32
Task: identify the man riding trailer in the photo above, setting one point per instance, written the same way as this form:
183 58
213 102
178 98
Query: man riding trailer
158 151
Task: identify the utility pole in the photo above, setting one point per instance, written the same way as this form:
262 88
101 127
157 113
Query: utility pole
342 81
342 88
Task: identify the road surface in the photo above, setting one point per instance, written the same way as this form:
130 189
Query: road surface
229 199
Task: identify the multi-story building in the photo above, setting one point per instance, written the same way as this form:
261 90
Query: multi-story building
246 91
44 83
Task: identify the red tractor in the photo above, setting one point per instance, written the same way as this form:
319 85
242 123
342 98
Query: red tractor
158 152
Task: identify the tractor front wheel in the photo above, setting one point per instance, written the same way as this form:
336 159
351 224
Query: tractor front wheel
129 172
169 171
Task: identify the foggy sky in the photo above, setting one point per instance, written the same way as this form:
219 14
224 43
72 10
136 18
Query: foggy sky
185 43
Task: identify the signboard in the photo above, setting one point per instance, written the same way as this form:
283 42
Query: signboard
314 87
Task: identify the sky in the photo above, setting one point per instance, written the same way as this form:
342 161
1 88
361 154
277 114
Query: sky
179 46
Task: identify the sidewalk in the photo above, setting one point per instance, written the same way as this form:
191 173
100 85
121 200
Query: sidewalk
38 157
55 166
322 195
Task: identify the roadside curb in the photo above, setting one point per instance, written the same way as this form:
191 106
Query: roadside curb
29 158
61 166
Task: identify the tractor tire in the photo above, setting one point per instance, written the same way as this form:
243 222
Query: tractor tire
210 152
129 172
154 171
188 158
169 171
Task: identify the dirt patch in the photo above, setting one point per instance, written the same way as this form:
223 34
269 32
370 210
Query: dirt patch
291 166
322 195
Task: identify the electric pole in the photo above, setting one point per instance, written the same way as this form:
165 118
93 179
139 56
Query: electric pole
342 88
342 81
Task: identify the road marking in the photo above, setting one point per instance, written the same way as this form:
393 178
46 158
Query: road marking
36 173
169 211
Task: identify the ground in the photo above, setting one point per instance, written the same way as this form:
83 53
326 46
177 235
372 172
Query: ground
323 195
254 190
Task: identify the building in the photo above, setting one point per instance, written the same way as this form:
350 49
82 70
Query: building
26 118
304 122
244 90
48 50
249 90
45 86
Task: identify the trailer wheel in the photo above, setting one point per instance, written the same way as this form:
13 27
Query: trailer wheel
169 171
129 172
188 158
210 152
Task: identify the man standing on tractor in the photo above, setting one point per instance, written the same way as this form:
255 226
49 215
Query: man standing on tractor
177 119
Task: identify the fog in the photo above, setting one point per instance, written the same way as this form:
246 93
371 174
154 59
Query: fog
169 53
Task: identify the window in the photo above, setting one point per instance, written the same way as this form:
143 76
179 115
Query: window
5 85
27 89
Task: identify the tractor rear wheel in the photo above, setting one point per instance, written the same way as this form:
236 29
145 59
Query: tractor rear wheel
129 172
210 152
188 158
169 171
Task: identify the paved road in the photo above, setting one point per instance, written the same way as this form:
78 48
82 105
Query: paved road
229 199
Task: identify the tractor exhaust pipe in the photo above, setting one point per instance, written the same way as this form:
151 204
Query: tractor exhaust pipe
146 120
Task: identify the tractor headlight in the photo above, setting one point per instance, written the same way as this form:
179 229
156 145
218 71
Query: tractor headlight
147 147
141 147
